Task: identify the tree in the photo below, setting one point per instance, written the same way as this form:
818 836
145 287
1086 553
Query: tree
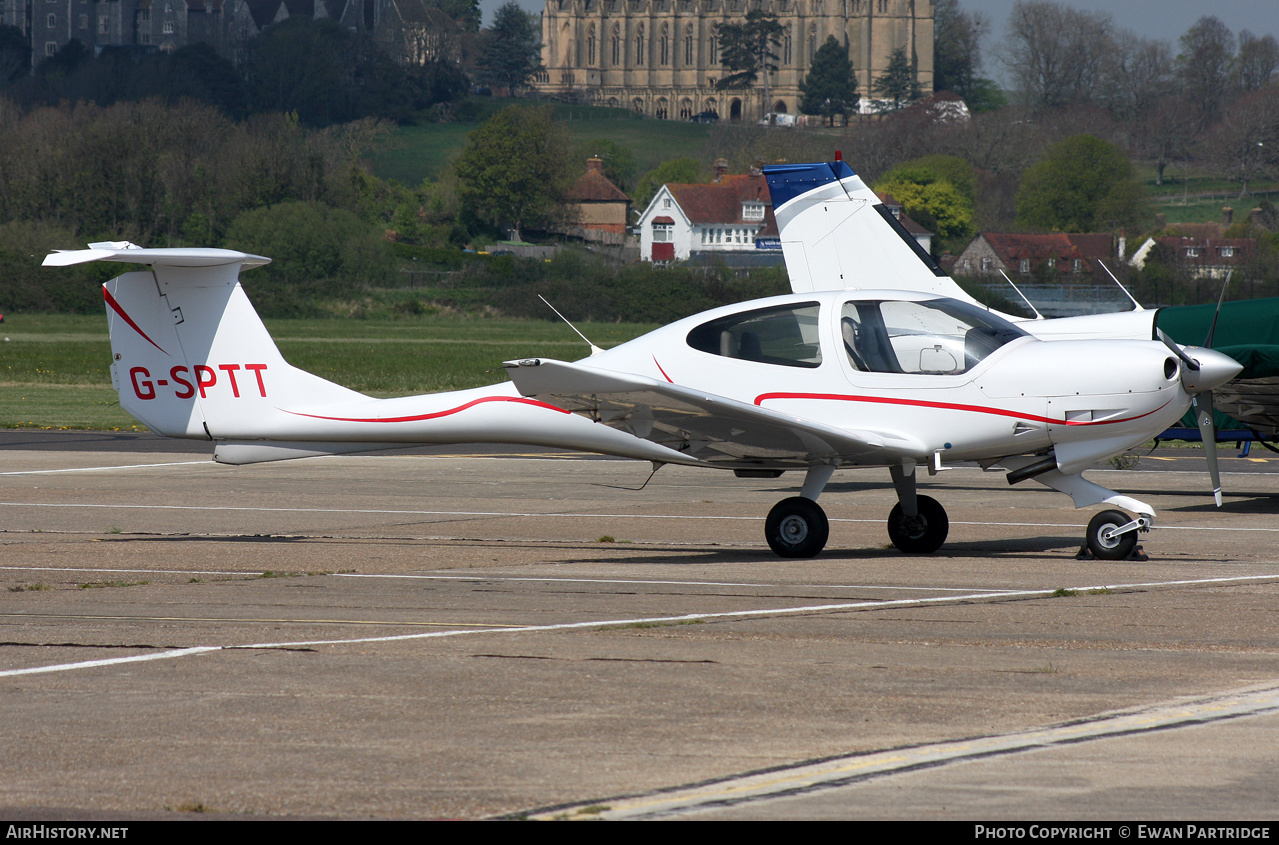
466 12
898 83
512 51
1244 145
830 88
938 192
618 161
1082 184
1056 55
680 171
515 168
1138 73
15 54
746 51
1204 65
957 48
1258 60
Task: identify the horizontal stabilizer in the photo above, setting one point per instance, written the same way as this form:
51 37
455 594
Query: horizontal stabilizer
129 254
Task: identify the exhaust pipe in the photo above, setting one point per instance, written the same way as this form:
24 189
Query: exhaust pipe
1031 470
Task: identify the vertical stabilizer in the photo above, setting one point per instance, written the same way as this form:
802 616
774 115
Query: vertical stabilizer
190 356
837 235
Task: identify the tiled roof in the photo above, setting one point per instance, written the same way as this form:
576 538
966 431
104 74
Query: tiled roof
594 186
1209 251
1064 247
722 202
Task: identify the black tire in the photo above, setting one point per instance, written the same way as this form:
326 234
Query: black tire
922 535
1116 548
797 527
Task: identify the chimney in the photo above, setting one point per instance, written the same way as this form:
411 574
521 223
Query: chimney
1227 216
721 167
595 163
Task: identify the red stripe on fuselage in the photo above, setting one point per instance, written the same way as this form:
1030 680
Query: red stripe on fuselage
660 370
420 417
947 406
117 308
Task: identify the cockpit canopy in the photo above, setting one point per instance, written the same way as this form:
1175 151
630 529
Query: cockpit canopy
924 337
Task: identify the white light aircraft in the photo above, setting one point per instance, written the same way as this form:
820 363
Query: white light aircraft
813 382
836 234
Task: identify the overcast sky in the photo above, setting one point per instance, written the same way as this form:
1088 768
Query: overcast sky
1165 20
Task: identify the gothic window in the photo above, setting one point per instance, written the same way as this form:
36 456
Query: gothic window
637 105
639 45
685 109
786 47
714 51
590 46
616 45
660 111
665 44
688 46
812 42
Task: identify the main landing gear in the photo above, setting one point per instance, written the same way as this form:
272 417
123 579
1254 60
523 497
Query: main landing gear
923 533
797 527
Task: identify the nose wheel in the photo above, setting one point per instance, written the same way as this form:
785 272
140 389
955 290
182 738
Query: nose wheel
1104 538
922 534
797 527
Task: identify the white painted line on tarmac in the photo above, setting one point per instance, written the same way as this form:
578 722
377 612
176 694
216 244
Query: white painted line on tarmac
245 572
842 771
653 620
98 469
756 584
114 661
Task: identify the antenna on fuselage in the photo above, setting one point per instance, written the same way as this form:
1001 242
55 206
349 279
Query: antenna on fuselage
1029 304
1136 306
595 350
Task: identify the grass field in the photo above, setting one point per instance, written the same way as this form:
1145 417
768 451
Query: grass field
414 153
55 369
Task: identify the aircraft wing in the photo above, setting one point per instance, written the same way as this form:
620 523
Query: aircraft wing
714 429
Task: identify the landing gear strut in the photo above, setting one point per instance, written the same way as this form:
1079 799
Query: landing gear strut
917 525
797 527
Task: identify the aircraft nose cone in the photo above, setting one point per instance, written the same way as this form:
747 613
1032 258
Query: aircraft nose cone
1215 369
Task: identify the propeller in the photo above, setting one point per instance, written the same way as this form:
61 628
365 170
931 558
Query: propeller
1199 377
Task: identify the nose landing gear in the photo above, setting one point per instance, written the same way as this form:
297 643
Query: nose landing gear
1112 535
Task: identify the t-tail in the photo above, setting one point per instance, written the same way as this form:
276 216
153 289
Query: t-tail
837 234
192 359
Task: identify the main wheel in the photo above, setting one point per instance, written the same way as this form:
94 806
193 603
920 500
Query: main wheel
1117 547
920 535
796 527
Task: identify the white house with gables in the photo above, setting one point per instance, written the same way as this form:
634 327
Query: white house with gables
731 218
